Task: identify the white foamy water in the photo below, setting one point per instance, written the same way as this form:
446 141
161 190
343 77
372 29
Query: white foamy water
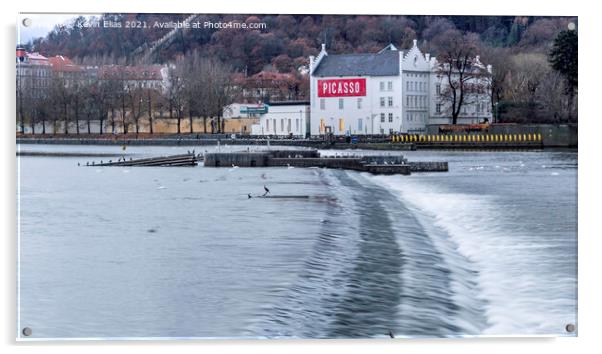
520 238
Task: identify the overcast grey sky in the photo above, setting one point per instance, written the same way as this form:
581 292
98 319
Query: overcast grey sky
41 24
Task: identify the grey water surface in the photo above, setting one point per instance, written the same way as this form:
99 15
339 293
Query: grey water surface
489 248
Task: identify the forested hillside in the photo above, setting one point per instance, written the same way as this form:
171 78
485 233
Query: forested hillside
526 85
291 39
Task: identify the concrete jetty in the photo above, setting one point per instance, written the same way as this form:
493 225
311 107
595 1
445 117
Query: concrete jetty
395 164
173 160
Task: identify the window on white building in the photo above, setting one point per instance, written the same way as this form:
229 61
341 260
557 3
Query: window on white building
359 103
341 103
390 101
390 85
408 101
382 117
438 108
360 124
382 85
438 89
390 117
322 104
382 101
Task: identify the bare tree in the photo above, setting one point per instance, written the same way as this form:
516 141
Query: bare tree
59 101
527 74
464 77
221 89
192 72
499 58
134 97
21 101
151 96
175 91
76 94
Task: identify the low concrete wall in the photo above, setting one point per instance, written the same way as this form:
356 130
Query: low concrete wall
428 166
345 163
242 159
562 135
388 169
553 135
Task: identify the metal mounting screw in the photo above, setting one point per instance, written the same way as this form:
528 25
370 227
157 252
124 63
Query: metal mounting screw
570 328
26 331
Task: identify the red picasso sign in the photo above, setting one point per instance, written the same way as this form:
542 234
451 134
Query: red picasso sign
341 87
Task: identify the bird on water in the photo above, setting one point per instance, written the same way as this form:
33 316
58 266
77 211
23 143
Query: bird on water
266 190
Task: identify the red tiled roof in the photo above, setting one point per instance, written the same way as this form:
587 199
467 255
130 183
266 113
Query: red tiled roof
36 58
62 63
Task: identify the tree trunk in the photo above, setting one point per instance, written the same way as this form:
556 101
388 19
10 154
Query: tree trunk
33 125
21 121
66 119
179 121
125 126
150 115
205 124
89 131
44 126
21 115
113 120
570 104
76 121
190 119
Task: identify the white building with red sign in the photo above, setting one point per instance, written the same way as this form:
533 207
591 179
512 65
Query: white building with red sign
356 93
391 91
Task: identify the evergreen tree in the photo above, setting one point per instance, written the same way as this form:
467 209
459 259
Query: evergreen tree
563 58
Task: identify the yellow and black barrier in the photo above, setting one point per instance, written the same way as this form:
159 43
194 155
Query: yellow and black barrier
460 139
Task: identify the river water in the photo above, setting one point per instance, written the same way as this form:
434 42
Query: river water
489 248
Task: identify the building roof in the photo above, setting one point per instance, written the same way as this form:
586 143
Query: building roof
62 63
31 58
289 103
385 63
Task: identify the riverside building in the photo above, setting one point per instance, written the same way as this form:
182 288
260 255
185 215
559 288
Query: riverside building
392 91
